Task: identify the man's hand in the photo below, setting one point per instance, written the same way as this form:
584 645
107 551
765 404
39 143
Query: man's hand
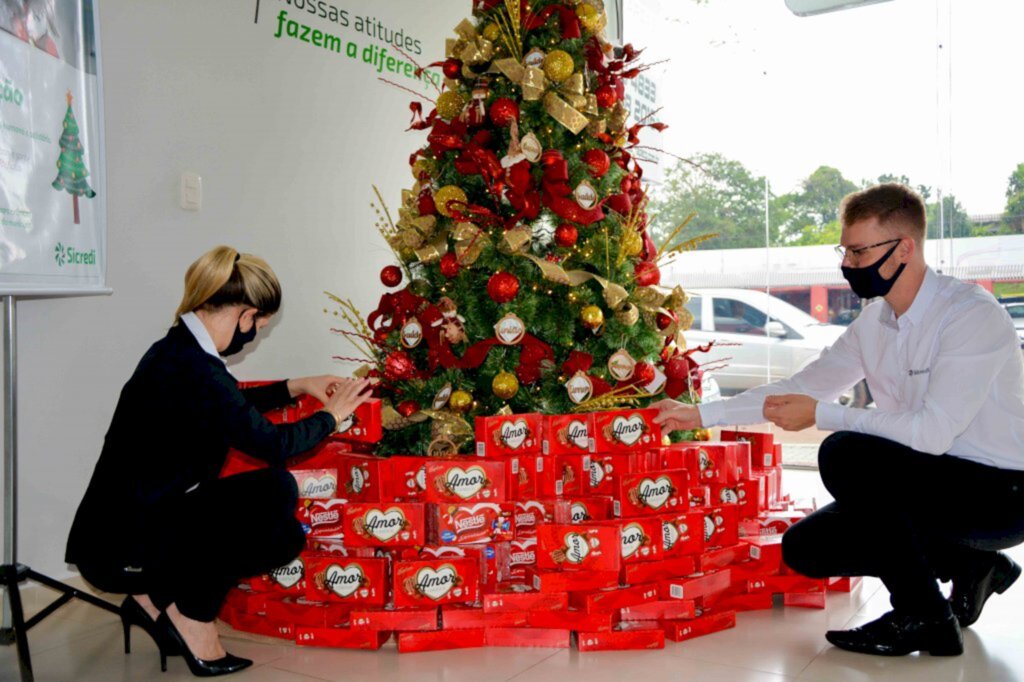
676 416
790 412
321 387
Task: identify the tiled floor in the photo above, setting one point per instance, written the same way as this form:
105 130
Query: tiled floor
82 643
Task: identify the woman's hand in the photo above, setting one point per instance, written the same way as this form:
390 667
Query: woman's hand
346 395
318 387
676 416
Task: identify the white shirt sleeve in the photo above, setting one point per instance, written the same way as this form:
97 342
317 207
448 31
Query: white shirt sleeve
959 380
838 368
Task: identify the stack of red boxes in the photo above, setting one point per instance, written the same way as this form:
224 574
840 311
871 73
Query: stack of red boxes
577 526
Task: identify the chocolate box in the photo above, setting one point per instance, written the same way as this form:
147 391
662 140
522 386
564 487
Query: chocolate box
549 638
680 630
406 479
465 480
325 518
341 638
435 582
588 547
568 434
398 620
587 509
626 431
520 597
316 484
352 581
513 434
695 586
442 640
622 638
473 523
363 426
682 533
640 539
652 493
384 524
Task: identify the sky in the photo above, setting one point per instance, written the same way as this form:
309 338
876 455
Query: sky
923 88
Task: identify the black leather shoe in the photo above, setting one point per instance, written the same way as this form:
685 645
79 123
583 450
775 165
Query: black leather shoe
897 635
199 667
132 613
970 592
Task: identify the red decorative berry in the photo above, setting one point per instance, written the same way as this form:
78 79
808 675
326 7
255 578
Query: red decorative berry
647 274
449 265
391 276
503 111
452 68
619 203
398 367
598 161
643 373
606 96
566 235
407 408
425 204
503 287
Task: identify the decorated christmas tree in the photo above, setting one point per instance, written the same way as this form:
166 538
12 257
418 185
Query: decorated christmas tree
526 278
71 170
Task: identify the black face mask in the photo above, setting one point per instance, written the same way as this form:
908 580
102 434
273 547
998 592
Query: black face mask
239 339
867 282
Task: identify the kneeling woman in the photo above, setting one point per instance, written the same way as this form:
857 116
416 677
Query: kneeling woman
156 522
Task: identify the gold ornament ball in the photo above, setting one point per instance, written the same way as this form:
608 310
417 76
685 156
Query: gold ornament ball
491 32
702 434
592 317
446 194
588 15
421 166
450 104
460 401
632 244
558 65
505 385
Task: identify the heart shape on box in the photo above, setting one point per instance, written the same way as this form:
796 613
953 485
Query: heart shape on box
579 512
325 486
345 425
578 434
514 433
705 460
344 581
669 535
465 483
435 584
421 478
709 528
655 493
358 479
632 539
384 525
596 473
290 574
728 496
628 430
576 548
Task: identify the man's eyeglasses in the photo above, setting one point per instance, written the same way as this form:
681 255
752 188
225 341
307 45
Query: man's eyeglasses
855 254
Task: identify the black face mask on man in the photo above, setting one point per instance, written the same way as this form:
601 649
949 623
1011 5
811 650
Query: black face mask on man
239 338
867 282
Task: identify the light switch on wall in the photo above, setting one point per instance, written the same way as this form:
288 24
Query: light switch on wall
191 195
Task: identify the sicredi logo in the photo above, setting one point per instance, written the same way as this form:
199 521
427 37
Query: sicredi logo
64 254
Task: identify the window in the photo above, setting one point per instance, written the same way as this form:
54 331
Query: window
736 317
694 306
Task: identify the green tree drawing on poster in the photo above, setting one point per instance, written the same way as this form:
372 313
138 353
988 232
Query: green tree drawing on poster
71 170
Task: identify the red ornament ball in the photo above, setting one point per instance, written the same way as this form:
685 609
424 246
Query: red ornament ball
503 287
566 235
425 204
407 408
450 265
678 368
619 203
598 161
398 366
663 320
452 68
647 274
643 373
391 276
503 111
606 96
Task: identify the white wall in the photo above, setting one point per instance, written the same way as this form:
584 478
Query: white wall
287 139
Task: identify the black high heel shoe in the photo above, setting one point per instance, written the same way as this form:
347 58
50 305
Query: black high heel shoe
197 666
132 613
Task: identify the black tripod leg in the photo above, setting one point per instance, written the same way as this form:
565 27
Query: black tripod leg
20 634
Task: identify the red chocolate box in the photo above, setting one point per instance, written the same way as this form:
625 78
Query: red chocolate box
587 509
682 533
695 586
360 477
325 518
721 526
549 638
462 617
384 524
587 547
723 556
406 479
626 431
680 630
570 581
606 470
494 559
532 513
613 599
465 480
640 539
442 640
258 625
287 580
351 581
622 639
668 609
523 553
513 434
364 426
563 475
570 619
305 613
467 524
316 484
398 620
519 597
653 571
762 446
656 492
435 582
521 479
341 638
568 434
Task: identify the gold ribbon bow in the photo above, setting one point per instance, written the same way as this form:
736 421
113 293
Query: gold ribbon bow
536 86
470 241
471 47
615 296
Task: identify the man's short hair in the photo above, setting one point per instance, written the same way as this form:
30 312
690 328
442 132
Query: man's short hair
893 204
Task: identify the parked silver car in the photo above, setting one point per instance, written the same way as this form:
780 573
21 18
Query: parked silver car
773 339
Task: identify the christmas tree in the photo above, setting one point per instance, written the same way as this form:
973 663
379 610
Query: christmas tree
71 170
526 279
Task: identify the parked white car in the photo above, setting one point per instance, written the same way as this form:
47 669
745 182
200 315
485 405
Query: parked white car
773 339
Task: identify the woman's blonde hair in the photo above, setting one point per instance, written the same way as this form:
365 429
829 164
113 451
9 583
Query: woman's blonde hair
222 276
